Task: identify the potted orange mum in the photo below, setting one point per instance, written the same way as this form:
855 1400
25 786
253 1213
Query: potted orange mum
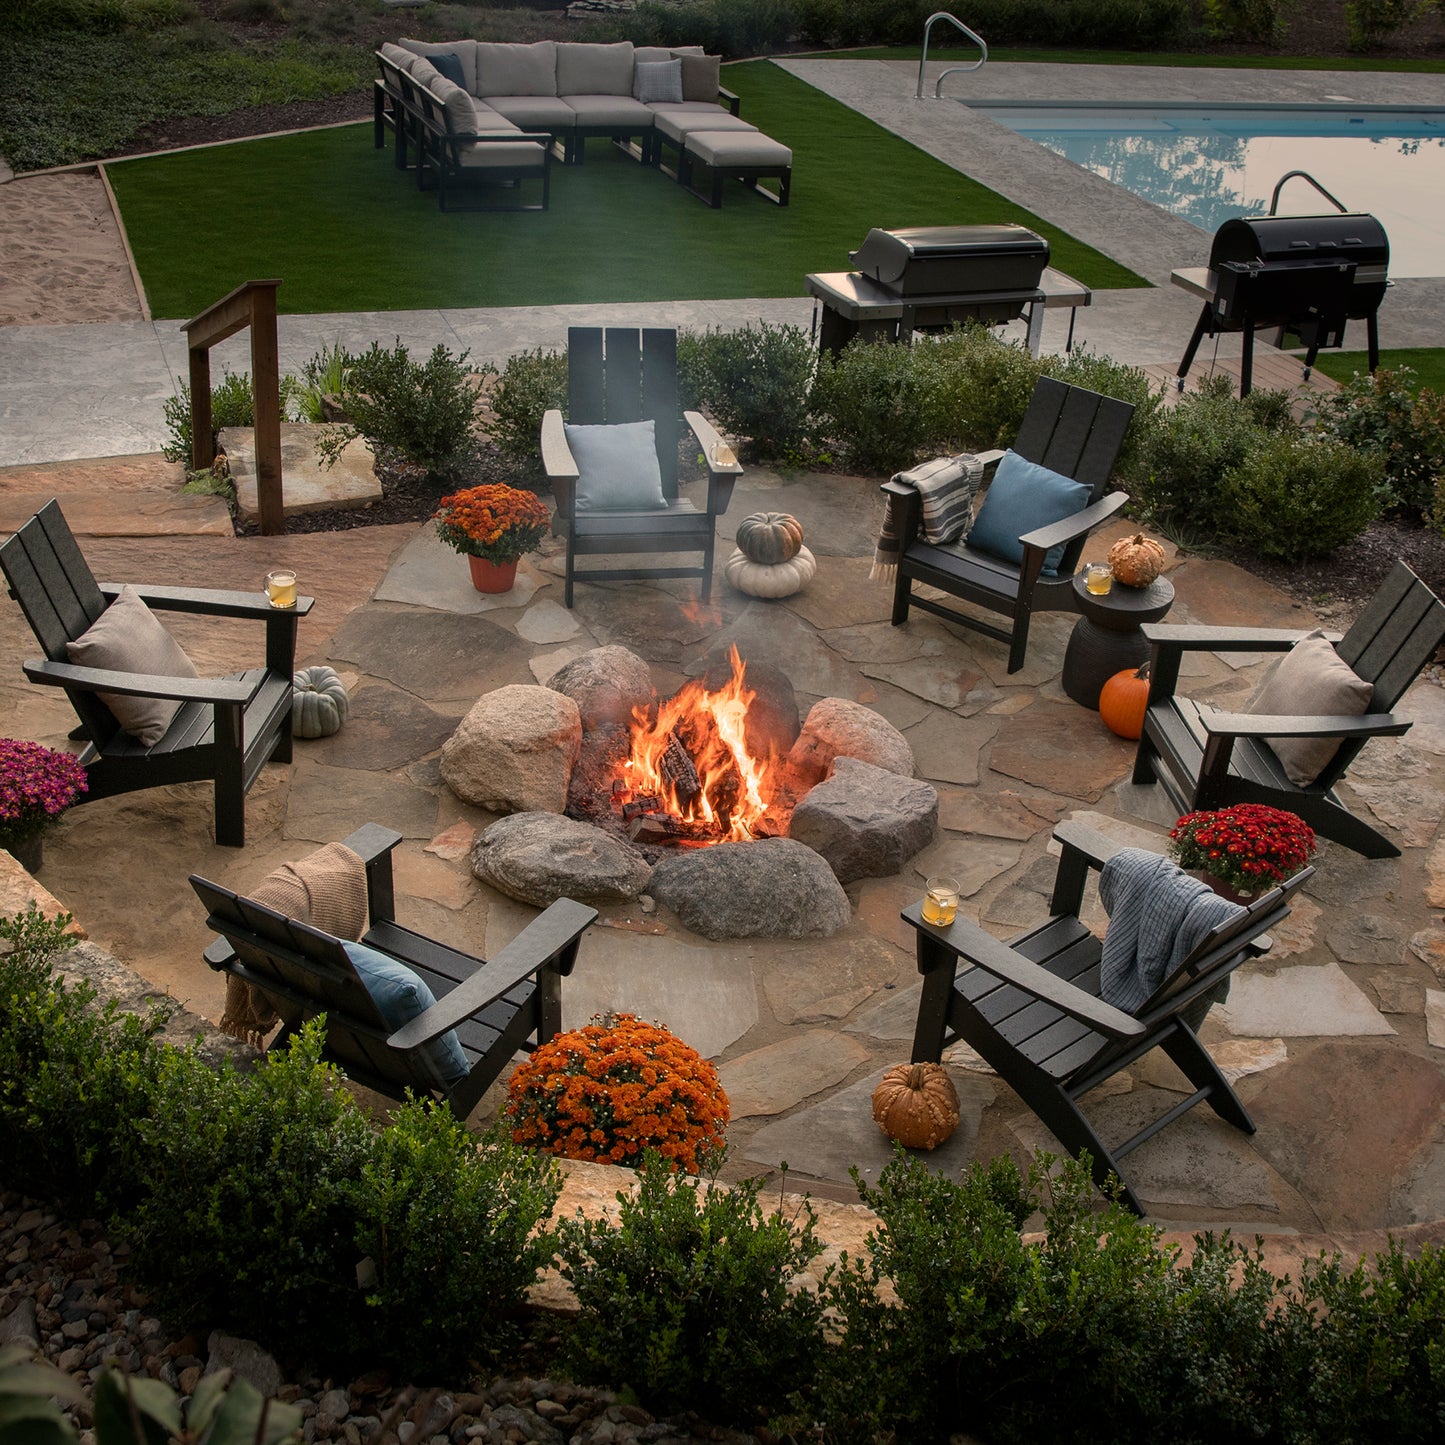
492 526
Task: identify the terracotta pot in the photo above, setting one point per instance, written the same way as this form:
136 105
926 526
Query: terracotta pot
1226 890
28 852
492 576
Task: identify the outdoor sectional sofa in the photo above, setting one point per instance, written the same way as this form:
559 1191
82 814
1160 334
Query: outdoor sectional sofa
490 116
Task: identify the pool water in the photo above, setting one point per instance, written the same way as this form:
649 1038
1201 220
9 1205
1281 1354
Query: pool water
1210 164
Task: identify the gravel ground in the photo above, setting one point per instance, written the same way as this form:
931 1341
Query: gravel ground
65 1292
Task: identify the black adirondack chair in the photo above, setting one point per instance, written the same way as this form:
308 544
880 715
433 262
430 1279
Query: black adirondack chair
1031 1006
1208 759
1074 432
624 375
498 1008
226 729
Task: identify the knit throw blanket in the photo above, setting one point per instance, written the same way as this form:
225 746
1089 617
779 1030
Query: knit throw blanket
946 488
1157 915
326 889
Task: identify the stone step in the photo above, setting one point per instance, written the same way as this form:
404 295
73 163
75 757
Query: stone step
307 485
122 513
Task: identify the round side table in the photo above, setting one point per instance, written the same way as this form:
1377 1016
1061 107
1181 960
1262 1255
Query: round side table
1106 639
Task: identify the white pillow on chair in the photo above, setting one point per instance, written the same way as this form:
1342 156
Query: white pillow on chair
617 468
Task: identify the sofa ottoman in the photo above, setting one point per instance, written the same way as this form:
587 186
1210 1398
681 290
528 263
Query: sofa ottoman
749 156
672 125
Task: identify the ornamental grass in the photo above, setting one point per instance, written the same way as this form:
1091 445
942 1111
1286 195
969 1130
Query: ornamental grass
1249 846
495 521
616 1088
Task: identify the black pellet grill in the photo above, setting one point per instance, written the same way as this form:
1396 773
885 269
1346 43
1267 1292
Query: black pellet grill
930 278
1304 276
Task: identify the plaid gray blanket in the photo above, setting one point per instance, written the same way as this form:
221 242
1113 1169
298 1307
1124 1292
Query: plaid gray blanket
946 488
1157 914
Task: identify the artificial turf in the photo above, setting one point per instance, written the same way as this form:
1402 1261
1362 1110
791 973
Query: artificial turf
346 231
1428 364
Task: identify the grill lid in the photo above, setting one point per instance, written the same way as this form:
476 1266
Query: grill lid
920 260
1350 236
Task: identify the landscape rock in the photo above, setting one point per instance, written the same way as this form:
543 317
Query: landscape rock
539 857
837 727
245 1359
605 684
775 888
514 751
865 821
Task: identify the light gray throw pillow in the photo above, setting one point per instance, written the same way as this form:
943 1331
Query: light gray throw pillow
127 638
658 82
617 468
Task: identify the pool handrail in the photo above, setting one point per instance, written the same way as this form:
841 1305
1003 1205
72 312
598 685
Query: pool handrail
954 69
1335 201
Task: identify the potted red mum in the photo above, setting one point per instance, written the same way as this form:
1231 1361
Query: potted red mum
1244 849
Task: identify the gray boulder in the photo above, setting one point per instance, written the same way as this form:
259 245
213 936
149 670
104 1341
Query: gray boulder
836 727
246 1360
539 858
775 888
514 751
865 821
606 684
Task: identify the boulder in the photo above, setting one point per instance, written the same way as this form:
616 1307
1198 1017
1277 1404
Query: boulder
246 1360
775 888
866 821
606 684
539 858
514 751
836 727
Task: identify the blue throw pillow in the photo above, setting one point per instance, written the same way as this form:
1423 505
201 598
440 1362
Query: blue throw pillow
617 468
1022 498
449 64
400 996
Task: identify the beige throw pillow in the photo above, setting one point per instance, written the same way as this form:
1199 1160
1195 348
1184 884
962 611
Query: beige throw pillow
701 75
127 638
1311 680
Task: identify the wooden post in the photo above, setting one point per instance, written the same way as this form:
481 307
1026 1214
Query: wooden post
203 450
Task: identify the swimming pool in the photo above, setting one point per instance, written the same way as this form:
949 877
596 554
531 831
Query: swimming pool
1208 164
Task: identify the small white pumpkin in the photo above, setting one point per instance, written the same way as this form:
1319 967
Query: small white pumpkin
762 579
319 704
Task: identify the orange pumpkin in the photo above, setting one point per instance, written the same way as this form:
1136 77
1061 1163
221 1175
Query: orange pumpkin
916 1104
1124 700
1136 561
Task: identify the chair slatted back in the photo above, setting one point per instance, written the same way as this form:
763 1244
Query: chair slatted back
620 374
305 972
1395 636
1075 432
51 580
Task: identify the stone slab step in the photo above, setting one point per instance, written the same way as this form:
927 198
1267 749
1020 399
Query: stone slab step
306 485
143 471
122 513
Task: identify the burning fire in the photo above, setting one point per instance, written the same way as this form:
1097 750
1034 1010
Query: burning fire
694 760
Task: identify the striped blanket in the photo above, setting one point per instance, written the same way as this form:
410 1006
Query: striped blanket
946 488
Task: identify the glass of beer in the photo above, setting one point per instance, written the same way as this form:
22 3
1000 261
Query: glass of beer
1098 578
281 589
940 900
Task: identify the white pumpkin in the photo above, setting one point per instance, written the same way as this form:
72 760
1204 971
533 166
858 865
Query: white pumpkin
319 704
763 579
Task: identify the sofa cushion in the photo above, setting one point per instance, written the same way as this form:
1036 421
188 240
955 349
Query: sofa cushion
1310 680
465 52
489 120
401 995
676 123
700 75
461 113
506 69
127 637
536 112
1023 497
617 468
397 55
651 54
423 71
610 110
502 155
594 69
658 82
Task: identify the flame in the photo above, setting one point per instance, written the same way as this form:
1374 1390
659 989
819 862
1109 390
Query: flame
734 793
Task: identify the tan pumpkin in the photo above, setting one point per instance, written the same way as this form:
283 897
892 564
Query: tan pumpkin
916 1104
770 537
1136 561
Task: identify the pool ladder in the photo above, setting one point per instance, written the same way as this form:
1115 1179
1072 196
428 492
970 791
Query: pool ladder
953 69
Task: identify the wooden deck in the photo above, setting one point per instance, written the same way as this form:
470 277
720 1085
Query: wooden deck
1273 371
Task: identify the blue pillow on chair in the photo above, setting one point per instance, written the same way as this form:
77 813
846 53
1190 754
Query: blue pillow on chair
400 996
617 468
1023 497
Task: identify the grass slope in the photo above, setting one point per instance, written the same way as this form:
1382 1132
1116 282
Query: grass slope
347 232
1428 364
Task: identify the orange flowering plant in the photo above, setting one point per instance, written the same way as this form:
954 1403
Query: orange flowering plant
494 521
1249 846
616 1088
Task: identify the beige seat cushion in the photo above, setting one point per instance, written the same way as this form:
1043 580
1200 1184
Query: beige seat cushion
675 124
1311 680
536 112
505 69
613 110
127 638
502 155
738 148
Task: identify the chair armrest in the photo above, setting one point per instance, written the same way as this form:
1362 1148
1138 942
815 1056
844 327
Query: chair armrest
1078 525
1083 848
731 100
1279 725
557 459
970 943
991 458
138 684
1098 848
1185 638
373 844
720 479
206 601
543 941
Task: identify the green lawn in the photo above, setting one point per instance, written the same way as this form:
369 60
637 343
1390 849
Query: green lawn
1427 363
347 232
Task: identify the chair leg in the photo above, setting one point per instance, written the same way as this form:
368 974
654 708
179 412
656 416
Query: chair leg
902 597
707 557
571 573
1194 1063
230 781
1144 759
1063 1119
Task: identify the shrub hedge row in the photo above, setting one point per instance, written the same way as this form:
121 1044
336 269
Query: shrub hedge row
266 1203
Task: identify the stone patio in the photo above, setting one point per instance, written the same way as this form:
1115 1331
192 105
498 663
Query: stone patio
1335 1038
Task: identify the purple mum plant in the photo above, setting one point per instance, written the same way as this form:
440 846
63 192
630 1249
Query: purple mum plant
37 784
